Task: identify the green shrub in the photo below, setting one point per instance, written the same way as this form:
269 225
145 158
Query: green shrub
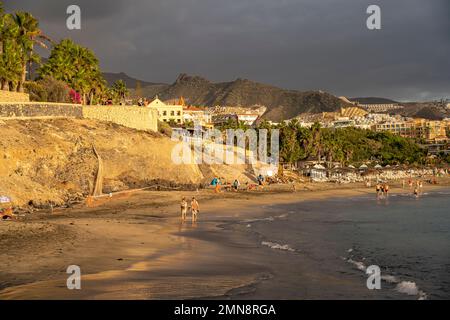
48 89
164 128
36 91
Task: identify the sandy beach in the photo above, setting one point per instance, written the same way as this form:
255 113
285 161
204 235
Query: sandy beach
134 246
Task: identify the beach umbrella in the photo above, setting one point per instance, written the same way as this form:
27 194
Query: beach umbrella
378 166
363 166
5 199
351 167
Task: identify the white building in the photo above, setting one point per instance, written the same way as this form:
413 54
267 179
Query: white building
167 112
248 118
197 115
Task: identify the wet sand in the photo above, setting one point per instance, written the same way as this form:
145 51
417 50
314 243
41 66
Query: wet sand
135 247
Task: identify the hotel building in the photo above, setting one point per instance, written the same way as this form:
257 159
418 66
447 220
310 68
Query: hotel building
167 112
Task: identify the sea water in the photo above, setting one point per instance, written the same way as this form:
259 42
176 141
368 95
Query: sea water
407 237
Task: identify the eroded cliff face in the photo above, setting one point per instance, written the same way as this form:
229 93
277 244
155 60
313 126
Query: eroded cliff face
52 161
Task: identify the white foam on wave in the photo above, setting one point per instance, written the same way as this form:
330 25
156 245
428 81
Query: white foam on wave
277 246
410 288
390 279
357 264
270 219
422 295
259 219
406 287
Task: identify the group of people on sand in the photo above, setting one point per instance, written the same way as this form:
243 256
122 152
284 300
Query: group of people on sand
217 183
195 209
417 185
382 189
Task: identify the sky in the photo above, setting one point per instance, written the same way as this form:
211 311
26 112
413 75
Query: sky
293 44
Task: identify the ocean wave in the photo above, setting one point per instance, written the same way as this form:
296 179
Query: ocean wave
390 279
357 264
405 287
410 288
268 219
277 246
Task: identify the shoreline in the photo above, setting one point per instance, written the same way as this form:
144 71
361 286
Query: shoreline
120 241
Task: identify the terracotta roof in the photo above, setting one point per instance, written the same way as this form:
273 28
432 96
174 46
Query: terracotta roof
192 109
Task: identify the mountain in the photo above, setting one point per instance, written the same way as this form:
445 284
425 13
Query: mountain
281 104
373 100
129 81
426 110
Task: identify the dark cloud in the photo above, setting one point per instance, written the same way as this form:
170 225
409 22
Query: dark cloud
298 44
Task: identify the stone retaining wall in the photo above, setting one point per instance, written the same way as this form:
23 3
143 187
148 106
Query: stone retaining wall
140 118
35 110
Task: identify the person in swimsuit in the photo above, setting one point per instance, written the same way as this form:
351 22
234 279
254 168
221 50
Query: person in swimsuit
195 208
184 208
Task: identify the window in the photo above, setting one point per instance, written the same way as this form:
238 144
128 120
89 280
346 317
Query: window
164 113
172 113
178 113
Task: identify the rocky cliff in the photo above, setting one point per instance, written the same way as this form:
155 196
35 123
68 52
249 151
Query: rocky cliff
52 161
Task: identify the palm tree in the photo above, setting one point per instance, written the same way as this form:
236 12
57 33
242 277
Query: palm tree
11 55
77 66
120 89
29 34
10 66
98 89
315 143
2 19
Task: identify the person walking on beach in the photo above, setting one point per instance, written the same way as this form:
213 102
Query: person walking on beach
236 185
184 208
194 209
378 189
386 189
218 186
260 179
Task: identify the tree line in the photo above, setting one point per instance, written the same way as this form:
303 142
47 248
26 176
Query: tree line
70 74
345 145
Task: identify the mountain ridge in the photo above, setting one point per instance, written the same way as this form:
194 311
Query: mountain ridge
281 104
130 82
